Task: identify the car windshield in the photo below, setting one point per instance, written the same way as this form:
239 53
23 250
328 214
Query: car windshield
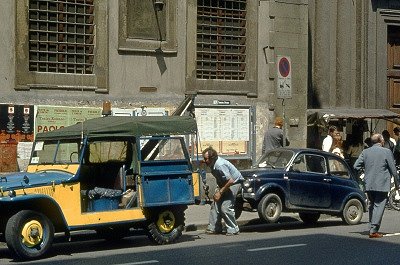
275 159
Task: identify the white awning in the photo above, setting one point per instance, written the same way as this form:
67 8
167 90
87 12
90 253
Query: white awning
322 116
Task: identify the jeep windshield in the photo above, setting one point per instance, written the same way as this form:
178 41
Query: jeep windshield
69 152
275 159
56 152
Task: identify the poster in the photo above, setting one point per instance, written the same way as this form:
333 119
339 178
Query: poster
16 123
16 128
50 118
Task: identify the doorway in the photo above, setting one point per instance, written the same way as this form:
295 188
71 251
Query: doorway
393 70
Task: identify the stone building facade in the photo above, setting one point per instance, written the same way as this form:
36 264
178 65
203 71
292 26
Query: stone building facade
151 54
354 57
136 54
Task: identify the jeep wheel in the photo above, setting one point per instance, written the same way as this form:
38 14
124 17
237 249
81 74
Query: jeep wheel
309 218
270 208
29 234
166 225
352 212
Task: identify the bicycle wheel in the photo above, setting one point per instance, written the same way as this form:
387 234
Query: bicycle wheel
394 199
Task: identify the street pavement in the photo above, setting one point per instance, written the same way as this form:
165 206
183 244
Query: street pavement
197 217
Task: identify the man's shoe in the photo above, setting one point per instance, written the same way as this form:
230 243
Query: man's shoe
211 232
232 234
375 235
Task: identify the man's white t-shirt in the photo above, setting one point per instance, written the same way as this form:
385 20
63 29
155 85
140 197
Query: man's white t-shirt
327 143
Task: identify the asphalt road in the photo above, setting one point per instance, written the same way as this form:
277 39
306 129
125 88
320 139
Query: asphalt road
288 242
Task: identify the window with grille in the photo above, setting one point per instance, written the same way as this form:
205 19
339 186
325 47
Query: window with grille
221 39
61 36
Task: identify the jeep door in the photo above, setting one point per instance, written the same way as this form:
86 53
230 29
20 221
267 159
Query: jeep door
308 183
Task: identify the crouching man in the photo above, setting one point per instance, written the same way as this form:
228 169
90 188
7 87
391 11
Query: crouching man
229 180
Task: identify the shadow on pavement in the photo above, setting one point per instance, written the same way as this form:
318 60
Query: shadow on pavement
319 248
89 241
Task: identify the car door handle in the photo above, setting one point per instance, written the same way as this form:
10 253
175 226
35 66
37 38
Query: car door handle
327 180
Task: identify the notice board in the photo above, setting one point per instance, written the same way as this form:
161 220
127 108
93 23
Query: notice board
228 129
50 118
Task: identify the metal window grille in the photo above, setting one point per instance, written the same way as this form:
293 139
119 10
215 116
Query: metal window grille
61 36
221 39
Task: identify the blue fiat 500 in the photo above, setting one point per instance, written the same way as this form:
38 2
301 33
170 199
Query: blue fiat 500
308 181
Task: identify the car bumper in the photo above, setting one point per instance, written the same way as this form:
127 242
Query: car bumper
249 196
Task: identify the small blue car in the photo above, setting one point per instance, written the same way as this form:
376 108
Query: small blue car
307 181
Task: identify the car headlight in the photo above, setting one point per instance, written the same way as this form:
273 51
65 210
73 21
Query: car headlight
248 185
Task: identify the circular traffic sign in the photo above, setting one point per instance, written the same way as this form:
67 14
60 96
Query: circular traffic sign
284 67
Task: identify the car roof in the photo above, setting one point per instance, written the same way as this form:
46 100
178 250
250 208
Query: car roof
308 150
123 126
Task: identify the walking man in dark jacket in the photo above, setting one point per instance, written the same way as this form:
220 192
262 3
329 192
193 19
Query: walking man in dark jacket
273 138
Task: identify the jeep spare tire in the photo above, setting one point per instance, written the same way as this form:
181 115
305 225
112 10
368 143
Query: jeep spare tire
165 224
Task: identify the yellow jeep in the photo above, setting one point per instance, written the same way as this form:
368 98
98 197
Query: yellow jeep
108 174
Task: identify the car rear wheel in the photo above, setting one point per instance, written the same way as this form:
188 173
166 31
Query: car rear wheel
352 212
29 234
270 208
309 218
166 225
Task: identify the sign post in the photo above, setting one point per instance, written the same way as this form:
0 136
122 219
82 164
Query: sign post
284 84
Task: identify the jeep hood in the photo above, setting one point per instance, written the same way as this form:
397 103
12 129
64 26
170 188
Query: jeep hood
27 180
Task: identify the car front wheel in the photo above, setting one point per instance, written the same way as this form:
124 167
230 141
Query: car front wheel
270 208
352 212
29 234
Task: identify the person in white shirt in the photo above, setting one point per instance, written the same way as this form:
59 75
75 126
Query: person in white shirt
327 142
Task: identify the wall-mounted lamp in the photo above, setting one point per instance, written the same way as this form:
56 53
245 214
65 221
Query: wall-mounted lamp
159 5
106 108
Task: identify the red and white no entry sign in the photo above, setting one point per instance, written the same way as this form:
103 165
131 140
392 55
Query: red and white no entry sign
284 80
284 67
